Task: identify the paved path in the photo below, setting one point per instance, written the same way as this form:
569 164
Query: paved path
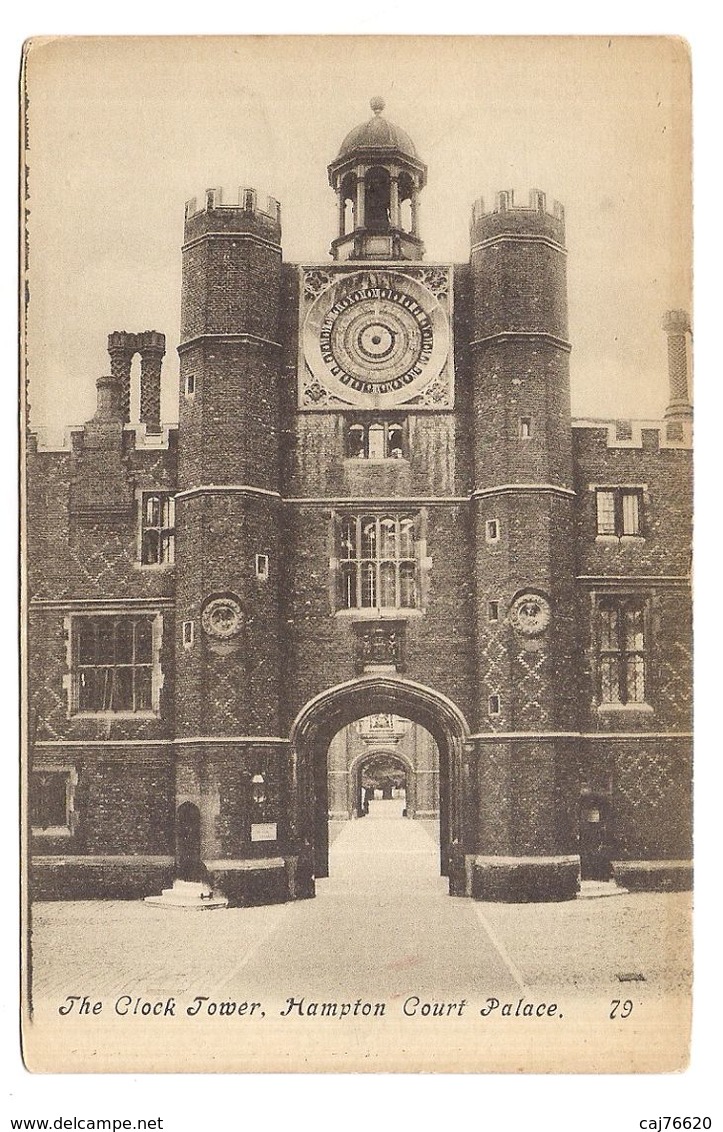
382 925
382 930
383 922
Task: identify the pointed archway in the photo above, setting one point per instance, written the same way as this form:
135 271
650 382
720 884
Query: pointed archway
324 715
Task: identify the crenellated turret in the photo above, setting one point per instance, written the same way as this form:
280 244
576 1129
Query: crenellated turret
230 342
227 508
524 541
520 343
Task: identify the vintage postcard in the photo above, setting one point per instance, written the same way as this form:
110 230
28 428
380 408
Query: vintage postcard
356 554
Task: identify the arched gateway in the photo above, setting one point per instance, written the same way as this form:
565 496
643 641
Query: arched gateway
321 718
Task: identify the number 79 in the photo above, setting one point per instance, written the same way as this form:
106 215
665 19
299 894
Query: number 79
620 1008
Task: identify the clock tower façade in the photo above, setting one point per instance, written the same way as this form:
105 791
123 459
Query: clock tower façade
375 528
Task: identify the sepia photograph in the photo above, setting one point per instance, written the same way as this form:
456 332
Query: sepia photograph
356 624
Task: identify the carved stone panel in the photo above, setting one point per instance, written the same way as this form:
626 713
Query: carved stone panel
379 644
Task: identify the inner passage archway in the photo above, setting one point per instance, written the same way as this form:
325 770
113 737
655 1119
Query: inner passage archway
384 777
383 757
386 735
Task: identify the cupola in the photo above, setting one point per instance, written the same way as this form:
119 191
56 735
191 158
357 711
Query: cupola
377 177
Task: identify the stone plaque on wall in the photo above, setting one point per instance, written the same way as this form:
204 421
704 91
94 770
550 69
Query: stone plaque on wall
379 645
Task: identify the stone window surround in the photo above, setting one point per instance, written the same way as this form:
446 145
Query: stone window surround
364 422
422 562
140 495
645 602
69 681
641 489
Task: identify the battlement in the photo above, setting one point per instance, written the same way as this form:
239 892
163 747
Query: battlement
505 202
70 438
629 433
246 202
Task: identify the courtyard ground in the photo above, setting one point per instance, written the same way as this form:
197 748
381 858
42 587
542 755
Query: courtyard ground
381 929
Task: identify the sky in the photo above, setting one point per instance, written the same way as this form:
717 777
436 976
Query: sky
123 131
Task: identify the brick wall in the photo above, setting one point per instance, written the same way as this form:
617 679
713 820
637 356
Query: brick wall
651 799
92 555
667 504
230 428
655 567
123 799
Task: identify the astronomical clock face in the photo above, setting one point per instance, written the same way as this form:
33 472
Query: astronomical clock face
374 338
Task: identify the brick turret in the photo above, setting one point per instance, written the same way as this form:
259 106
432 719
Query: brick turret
524 542
227 508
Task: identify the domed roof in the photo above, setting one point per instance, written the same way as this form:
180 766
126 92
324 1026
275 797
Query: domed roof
377 133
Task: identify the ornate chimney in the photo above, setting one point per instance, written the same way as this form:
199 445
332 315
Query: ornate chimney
676 325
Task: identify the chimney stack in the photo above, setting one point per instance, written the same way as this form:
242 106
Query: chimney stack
676 325
122 347
109 399
152 348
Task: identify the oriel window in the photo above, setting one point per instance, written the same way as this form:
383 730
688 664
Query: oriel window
378 562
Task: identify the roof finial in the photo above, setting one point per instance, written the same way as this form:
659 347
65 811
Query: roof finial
377 105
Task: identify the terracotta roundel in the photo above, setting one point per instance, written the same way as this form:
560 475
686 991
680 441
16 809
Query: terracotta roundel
530 614
222 618
376 337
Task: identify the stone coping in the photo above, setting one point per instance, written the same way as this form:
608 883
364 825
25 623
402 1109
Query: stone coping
248 864
507 861
651 865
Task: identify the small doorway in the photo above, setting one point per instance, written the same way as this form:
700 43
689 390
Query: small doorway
188 842
595 861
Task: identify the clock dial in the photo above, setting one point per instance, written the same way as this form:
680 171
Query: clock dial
376 337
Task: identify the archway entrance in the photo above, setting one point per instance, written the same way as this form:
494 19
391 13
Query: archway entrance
384 777
325 715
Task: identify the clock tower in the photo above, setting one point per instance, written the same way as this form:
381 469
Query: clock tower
375 329
375 505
